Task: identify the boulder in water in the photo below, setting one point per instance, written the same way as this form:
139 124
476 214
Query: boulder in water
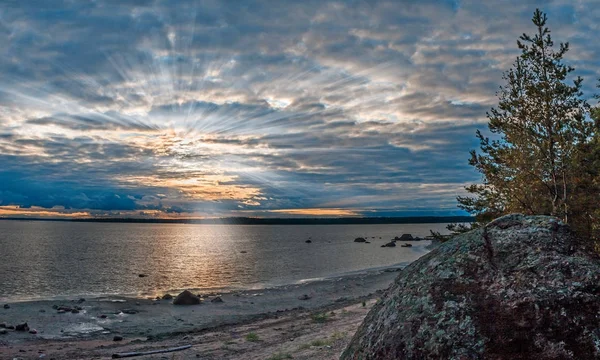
521 287
390 244
186 298
167 297
360 239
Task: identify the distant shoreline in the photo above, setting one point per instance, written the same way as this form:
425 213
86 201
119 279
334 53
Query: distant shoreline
271 221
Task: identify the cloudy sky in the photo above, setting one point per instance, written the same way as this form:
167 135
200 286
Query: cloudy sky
256 108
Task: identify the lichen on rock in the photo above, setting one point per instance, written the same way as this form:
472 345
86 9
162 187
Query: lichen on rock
521 287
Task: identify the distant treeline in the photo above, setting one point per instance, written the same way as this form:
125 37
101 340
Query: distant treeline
277 221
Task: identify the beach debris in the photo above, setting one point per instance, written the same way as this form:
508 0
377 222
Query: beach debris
167 297
360 239
22 327
217 300
2 325
304 297
3 331
6 306
81 300
186 298
390 244
74 311
143 353
10 327
33 331
406 245
129 311
102 316
142 275
117 338
308 241
243 252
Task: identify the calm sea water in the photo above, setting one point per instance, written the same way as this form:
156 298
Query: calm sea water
57 259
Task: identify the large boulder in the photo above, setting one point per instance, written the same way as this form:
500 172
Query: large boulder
186 298
519 288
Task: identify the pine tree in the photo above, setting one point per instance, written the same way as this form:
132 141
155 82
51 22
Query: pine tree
539 133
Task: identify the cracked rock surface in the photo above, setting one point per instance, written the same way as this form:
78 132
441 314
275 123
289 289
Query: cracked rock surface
522 287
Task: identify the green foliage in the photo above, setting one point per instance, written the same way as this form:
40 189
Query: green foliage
281 356
320 317
252 336
539 158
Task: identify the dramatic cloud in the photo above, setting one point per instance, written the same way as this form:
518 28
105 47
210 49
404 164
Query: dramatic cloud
256 108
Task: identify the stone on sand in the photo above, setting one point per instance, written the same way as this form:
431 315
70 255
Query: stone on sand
186 298
22 327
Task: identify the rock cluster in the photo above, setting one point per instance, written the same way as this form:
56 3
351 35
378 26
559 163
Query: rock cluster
519 288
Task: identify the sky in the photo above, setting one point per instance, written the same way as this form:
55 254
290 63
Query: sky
192 109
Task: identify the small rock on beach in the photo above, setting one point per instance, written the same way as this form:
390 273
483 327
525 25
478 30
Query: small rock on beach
186 298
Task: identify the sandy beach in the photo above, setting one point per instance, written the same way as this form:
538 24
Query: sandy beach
273 323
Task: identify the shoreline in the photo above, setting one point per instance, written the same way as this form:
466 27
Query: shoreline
219 290
145 320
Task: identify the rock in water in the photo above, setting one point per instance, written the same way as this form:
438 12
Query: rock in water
406 237
186 298
360 239
390 244
518 288
217 300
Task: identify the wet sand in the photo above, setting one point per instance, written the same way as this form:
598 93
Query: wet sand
284 324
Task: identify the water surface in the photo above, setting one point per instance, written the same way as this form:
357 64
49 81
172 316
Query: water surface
40 259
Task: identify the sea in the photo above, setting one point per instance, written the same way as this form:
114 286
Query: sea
55 259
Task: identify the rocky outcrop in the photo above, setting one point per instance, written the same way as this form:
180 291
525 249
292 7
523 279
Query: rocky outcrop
519 288
186 298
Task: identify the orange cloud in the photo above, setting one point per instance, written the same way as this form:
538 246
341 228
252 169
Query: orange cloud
15 211
317 212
